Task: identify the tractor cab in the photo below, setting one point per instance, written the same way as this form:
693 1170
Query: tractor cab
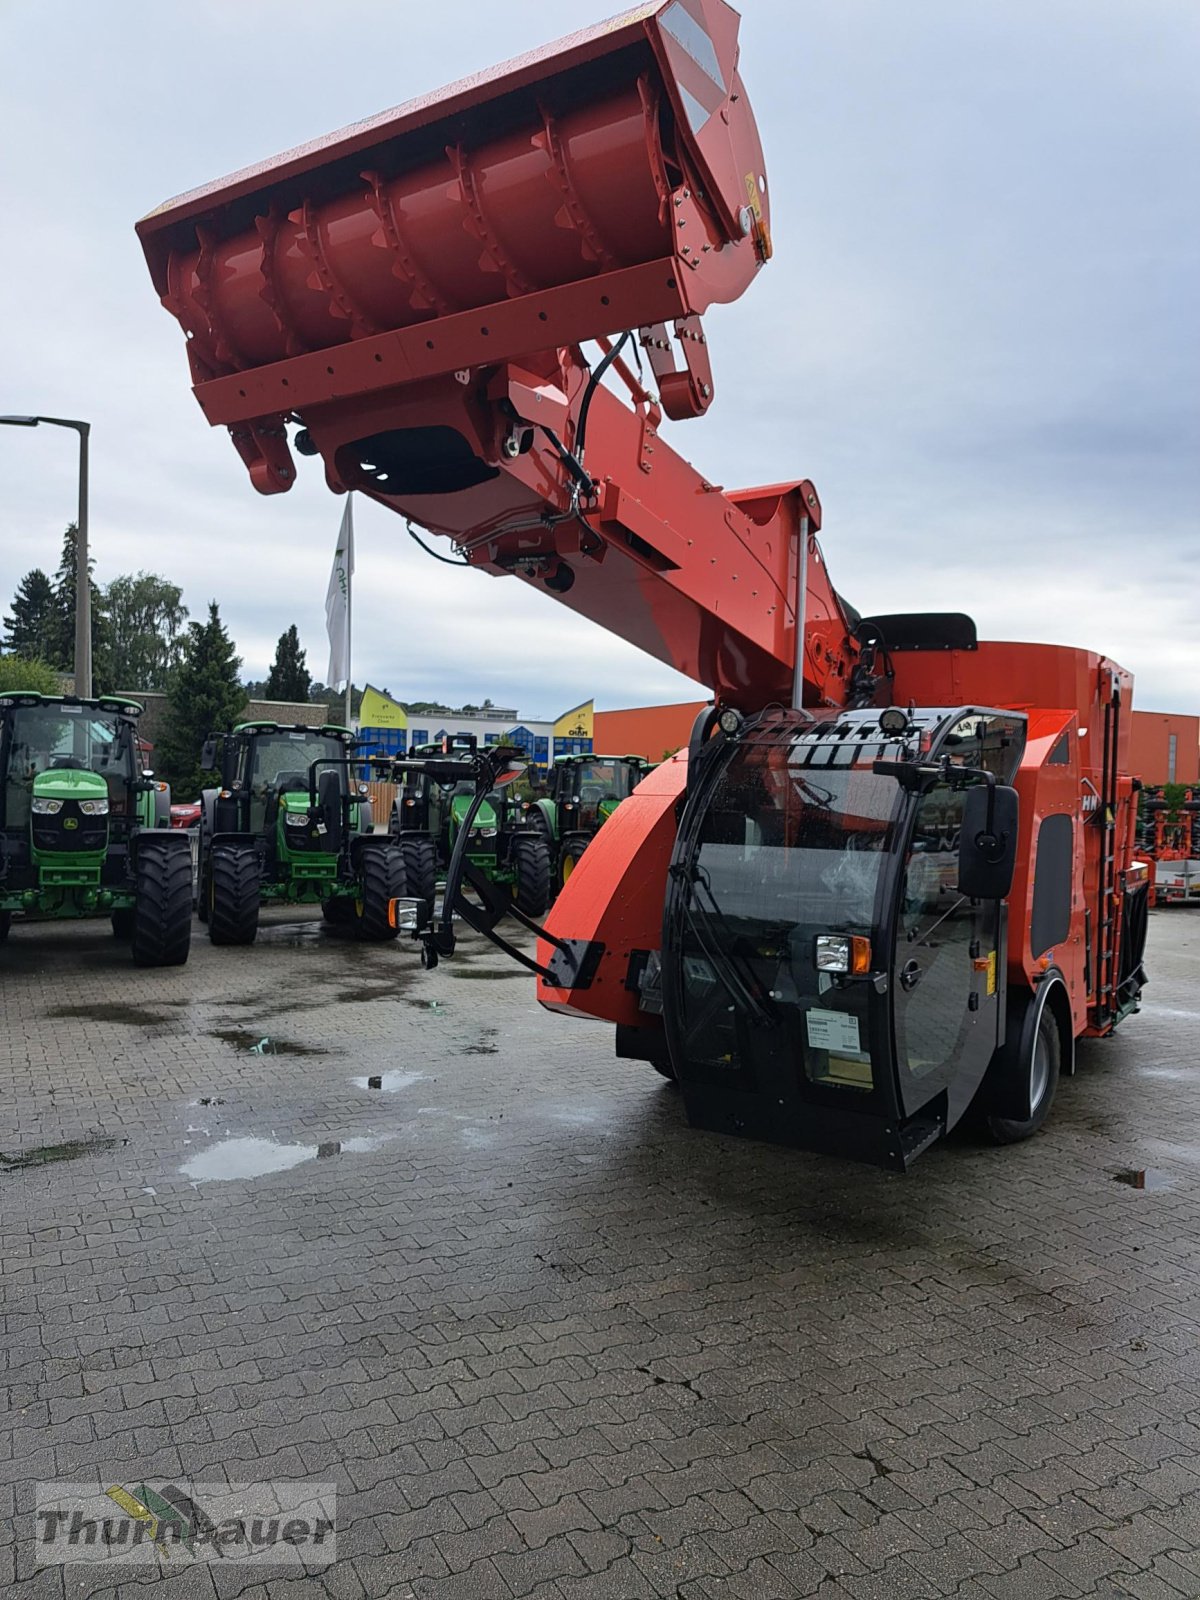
273 776
75 811
833 971
289 824
583 792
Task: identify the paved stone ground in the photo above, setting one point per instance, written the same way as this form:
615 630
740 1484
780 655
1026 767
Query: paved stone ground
548 1341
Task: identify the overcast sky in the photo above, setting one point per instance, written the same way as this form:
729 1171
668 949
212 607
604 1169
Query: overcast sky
979 335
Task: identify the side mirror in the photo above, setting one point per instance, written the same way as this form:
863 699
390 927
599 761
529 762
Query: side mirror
208 755
987 849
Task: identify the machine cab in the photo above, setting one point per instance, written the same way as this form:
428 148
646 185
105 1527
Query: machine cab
70 772
588 789
827 981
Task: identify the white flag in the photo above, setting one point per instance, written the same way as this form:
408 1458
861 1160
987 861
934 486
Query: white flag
337 602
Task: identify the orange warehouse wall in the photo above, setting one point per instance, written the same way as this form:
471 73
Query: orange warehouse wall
650 731
1150 747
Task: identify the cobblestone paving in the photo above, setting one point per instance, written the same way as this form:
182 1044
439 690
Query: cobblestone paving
548 1341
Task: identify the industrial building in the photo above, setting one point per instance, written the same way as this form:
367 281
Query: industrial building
387 728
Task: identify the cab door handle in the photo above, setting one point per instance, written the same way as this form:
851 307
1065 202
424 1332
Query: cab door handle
910 975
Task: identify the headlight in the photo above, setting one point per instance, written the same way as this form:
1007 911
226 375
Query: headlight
296 819
485 833
838 952
94 808
45 808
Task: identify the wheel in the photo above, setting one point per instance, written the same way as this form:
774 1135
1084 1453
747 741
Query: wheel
162 911
572 851
338 912
420 867
234 893
5 925
1040 1065
662 1065
122 922
381 880
531 857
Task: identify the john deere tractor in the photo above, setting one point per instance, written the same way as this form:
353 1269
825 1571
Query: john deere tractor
583 792
290 826
83 831
506 844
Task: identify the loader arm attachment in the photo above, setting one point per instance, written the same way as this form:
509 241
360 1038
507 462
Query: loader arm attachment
412 295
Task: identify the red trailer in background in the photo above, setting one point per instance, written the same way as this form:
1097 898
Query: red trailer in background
893 874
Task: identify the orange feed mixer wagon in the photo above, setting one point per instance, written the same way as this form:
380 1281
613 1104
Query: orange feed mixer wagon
893 874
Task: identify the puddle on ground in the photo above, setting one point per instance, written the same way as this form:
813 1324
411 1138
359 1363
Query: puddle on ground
257 1044
1149 1178
389 1082
154 1016
381 991
293 933
45 1155
255 1158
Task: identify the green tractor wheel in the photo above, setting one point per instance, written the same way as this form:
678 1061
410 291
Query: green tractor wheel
382 881
234 893
122 922
531 891
162 913
420 868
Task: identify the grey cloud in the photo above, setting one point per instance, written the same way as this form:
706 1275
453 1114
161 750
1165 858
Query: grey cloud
978 335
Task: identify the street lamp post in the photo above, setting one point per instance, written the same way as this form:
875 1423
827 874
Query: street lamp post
83 582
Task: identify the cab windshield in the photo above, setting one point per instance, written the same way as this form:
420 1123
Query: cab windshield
791 847
64 739
597 781
282 760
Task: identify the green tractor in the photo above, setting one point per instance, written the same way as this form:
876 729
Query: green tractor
290 825
84 831
506 845
582 793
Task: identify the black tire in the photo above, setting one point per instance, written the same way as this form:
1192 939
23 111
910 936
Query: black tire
162 912
381 881
235 893
662 1065
1042 1062
338 912
122 922
572 854
420 867
5 925
531 858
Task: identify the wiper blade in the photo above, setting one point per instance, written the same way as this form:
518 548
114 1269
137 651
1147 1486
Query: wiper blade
743 986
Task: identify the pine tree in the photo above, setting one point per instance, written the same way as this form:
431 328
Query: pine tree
32 630
289 678
205 697
64 593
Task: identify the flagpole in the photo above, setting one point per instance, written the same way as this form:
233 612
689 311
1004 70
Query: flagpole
349 604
